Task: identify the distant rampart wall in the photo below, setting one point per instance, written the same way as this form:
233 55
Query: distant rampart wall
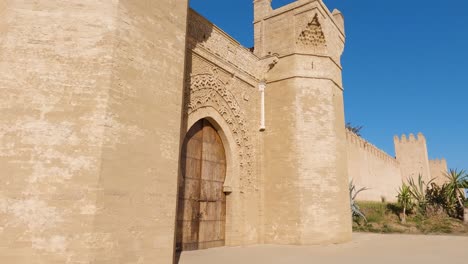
371 167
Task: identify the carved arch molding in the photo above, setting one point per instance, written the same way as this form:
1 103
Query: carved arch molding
206 90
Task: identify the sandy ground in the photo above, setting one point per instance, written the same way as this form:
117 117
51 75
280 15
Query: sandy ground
364 249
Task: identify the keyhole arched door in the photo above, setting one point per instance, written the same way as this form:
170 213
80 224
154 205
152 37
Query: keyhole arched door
201 216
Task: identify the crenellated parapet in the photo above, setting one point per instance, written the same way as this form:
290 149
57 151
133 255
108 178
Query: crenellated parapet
410 139
438 161
311 30
371 149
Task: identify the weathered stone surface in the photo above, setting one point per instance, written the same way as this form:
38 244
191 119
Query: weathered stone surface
90 129
306 198
98 95
412 154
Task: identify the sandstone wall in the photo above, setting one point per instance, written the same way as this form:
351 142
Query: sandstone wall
221 86
140 154
412 155
372 168
438 168
90 129
306 199
55 74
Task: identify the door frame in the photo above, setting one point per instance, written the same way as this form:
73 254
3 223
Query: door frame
234 228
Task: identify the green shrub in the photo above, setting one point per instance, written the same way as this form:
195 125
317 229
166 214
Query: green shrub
418 192
405 200
438 198
456 181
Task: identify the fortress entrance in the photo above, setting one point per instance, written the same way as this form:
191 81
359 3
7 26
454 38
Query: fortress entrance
201 216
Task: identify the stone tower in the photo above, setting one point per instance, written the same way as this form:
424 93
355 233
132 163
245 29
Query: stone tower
306 192
438 169
90 130
411 153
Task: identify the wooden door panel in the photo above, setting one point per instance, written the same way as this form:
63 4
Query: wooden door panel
201 216
209 211
192 168
211 172
213 152
211 191
191 189
212 179
190 211
193 149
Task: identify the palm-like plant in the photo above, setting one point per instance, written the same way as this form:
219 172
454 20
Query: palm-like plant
456 180
418 192
405 200
355 129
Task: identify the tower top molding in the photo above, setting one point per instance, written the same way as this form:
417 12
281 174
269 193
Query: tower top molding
263 10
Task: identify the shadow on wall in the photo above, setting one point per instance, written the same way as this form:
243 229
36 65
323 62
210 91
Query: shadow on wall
196 33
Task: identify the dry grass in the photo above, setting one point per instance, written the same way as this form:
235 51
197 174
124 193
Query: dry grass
385 218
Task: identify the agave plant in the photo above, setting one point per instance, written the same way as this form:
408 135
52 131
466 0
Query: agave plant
405 200
456 181
355 210
418 192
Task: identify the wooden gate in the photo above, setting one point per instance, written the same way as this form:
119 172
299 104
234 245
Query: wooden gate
201 216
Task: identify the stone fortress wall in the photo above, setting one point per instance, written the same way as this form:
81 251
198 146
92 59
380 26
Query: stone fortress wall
412 154
98 96
383 174
372 168
90 110
438 168
221 85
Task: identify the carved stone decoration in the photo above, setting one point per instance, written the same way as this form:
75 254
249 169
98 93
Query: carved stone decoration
312 35
206 90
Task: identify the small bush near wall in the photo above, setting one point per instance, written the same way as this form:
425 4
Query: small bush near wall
386 218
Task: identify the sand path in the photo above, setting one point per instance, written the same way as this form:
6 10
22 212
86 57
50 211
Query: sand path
364 249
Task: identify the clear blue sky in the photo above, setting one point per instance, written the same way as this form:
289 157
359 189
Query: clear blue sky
405 67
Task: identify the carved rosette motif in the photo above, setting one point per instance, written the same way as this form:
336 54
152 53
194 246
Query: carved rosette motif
312 35
206 90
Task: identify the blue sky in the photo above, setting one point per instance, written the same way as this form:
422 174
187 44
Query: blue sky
405 67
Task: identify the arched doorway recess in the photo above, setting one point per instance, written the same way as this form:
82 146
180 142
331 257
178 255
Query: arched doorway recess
201 216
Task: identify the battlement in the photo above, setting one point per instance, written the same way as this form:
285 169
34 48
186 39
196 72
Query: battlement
263 9
301 27
410 139
438 161
411 152
370 148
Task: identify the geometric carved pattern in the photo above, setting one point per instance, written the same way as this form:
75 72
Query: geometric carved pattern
205 90
312 35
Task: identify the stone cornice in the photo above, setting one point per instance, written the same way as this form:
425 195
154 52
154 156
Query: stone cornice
305 77
298 4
